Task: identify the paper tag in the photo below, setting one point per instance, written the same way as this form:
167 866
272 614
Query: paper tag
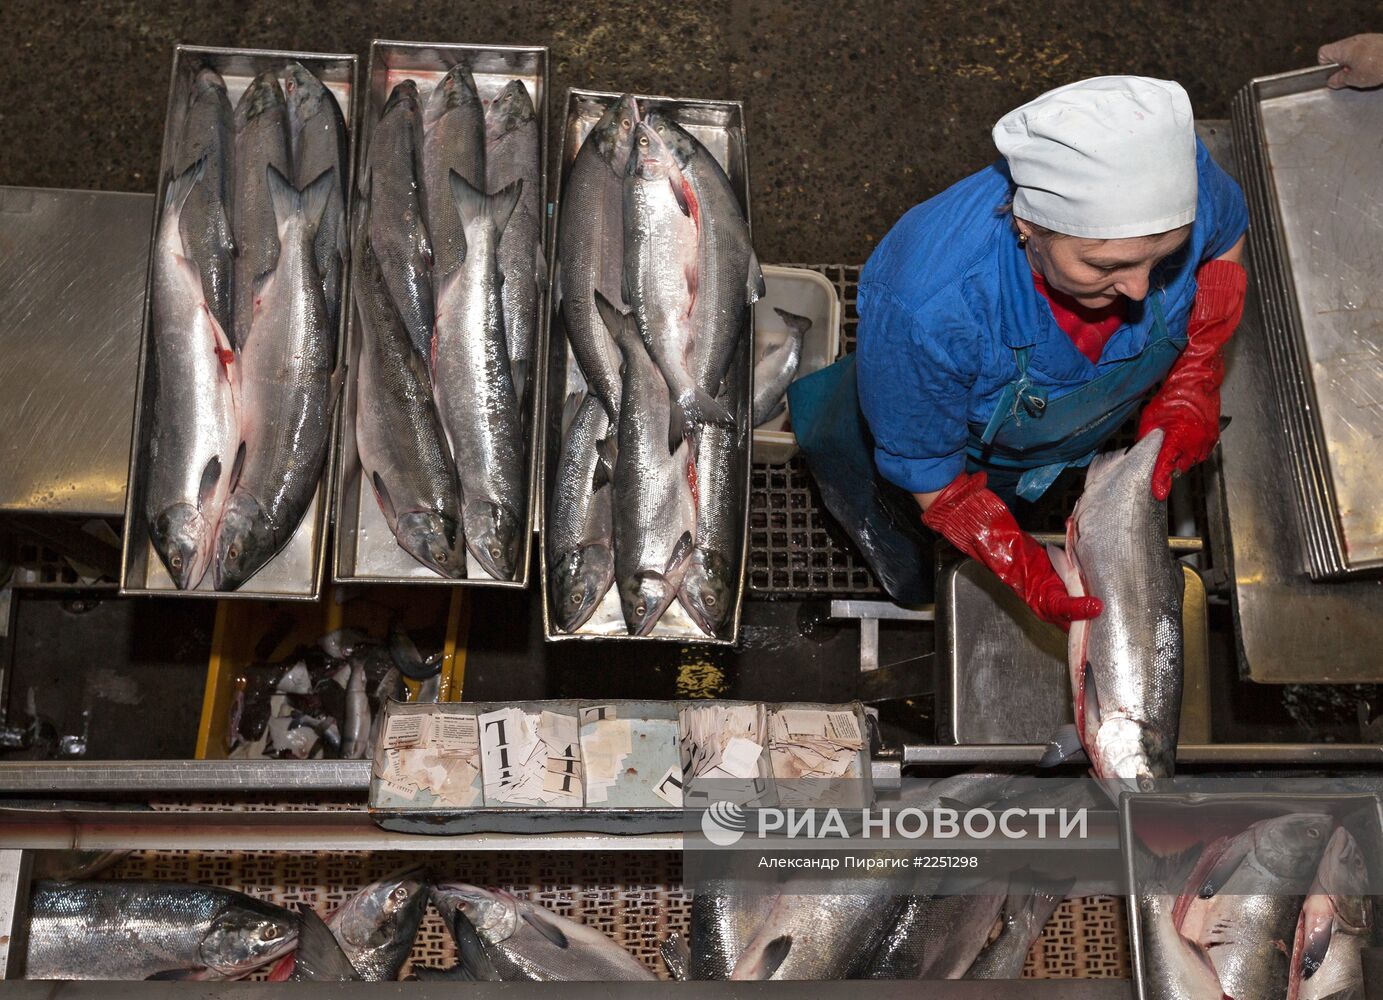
453 733
404 731
842 726
740 757
669 787
802 722
598 713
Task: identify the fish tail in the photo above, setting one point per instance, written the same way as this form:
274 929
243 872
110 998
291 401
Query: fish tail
181 186
473 205
290 202
691 410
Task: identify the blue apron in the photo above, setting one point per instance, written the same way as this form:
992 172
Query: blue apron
1030 439
1026 444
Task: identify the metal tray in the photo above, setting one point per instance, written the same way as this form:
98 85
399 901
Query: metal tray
365 548
296 572
1361 814
720 126
1313 175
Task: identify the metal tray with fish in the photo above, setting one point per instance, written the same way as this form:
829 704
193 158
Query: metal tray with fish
282 557
367 548
1305 844
719 127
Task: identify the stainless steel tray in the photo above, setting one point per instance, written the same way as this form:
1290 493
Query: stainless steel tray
72 275
297 571
1361 814
720 126
1007 679
365 548
1311 169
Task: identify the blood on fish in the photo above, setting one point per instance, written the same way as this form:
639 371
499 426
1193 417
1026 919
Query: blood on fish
692 205
692 482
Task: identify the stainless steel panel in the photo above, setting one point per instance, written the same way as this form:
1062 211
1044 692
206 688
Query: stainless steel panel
720 126
365 549
72 274
296 572
14 911
1008 673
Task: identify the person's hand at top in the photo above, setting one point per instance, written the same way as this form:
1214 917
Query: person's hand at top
1361 57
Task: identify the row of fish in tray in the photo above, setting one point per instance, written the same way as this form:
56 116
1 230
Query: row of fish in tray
247 272
1280 909
328 700
655 278
448 245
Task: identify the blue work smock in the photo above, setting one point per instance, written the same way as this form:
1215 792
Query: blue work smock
949 314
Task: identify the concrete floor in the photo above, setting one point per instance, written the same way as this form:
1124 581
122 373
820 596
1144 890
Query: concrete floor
857 109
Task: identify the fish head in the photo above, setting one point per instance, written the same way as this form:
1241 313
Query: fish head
1343 878
386 911
208 80
303 92
1291 846
452 91
679 142
706 592
244 542
579 580
493 914
511 110
1132 754
405 95
492 534
430 538
644 596
183 538
651 160
613 134
263 95
246 935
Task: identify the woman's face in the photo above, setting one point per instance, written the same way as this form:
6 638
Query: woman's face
1096 272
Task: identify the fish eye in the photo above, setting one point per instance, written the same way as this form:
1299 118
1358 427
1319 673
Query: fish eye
271 932
232 553
710 600
495 553
576 598
643 140
440 556
400 894
1313 833
625 123
175 560
641 610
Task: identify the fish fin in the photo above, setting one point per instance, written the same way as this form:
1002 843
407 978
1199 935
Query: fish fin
518 372
283 196
545 926
797 325
386 503
315 198
1224 423
755 289
319 953
221 223
1312 938
775 953
180 187
474 205
606 450
615 320
470 951
676 955
238 466
570 407
1216 875
685 544
689 413
682 192
1063 745
771 350
211 475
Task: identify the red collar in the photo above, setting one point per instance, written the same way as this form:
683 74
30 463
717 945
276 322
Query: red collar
1089 329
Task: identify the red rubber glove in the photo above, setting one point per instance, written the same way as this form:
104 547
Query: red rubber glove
978 523
1187 407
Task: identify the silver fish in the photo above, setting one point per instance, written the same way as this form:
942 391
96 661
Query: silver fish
1126 665
377 925
729 278
676 956
453 139
655 510
1025 914
527 942
133 930
662 275
1248 895
287 365
580 535
511 154
1175 967
398 235
724 919
196 408
208 135
953 929
319 956
708 587
317 139
261 142
1336 924
474 387
775 371
356 727
590 247
403 448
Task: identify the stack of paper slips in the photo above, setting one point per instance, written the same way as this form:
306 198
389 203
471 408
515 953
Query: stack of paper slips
531 759
809 743
437 752
607 743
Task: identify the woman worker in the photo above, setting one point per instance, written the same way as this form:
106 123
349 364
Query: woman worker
1011 323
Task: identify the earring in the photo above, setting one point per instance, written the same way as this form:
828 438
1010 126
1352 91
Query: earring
1022 239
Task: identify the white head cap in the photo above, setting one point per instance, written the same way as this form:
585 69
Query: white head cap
1107 158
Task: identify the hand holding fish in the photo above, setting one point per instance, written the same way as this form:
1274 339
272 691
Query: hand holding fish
976 521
